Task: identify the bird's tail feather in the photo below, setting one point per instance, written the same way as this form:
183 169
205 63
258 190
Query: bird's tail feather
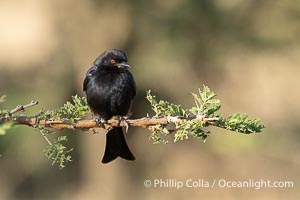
116 146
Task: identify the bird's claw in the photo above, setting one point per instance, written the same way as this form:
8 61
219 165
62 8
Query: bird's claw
100 122
126 126
123 119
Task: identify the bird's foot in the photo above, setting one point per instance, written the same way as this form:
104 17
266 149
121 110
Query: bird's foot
100 122
123 119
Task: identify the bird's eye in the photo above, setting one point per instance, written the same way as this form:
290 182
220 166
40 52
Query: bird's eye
112 61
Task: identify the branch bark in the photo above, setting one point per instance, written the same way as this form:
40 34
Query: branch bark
114 122
144 122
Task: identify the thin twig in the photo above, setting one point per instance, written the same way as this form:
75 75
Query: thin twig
46 138
19 108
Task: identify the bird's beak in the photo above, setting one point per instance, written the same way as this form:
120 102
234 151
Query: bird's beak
123 65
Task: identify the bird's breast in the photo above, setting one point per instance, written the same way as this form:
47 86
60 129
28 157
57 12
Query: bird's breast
110 94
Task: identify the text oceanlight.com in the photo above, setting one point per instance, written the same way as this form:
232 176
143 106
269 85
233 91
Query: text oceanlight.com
217 183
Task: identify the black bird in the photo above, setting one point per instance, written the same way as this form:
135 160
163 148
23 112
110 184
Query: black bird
110 89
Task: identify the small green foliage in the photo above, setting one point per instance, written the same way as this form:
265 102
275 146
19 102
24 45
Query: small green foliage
163 107
57 153
206 106
241 123
70 111
192 128
206 102
157 132
182 132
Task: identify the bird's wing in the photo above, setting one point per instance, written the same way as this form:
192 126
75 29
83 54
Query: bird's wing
88 76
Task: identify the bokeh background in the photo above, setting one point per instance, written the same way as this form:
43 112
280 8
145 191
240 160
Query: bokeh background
248 52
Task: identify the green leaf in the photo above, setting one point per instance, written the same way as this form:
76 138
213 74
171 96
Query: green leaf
207 105
241 123
193 128
70 111
156 132
57 153
165 108
206 102
182 132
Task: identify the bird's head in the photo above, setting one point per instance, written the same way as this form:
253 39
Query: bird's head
112 59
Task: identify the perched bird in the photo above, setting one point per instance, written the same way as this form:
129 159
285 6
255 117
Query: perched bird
110 89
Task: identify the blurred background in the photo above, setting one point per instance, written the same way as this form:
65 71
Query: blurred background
248 52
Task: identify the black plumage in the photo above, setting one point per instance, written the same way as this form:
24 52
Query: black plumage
110 89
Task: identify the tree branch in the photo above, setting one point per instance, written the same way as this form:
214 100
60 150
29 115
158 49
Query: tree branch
144 122
186 123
